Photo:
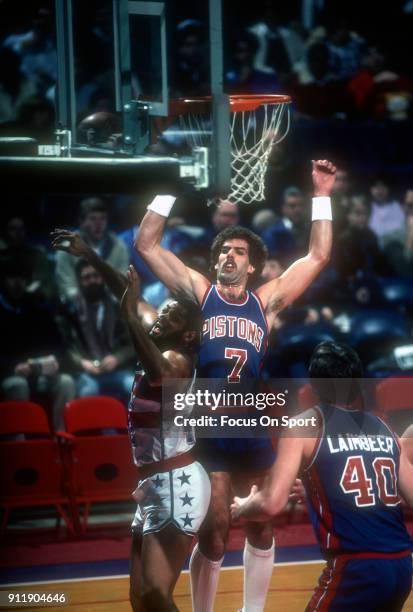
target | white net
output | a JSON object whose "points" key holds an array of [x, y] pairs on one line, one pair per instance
{"points": [[253, 134]]}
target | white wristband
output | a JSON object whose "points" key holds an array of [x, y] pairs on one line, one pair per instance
{"points": [[162, 204], [321, 209]]}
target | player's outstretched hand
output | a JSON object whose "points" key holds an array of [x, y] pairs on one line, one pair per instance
{"points": [[324, 176], [131, 296], [64, 240], [297, 493], [239, 503]]}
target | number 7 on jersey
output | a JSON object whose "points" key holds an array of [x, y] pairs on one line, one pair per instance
{"points": [[240, 355]]}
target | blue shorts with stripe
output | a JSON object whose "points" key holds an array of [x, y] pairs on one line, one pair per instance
{"points": [[363, 583]]}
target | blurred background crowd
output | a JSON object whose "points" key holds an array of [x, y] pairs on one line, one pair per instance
{"points": [[350, 76]]}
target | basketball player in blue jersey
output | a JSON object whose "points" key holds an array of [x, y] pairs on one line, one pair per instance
{"points": [[173, 491], [235, 336], [353, 472]]}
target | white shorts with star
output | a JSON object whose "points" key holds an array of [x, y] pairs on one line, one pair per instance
{"points": [[179, 497]]}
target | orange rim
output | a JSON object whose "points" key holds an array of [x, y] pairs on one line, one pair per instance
{"points": [[241, 102]]}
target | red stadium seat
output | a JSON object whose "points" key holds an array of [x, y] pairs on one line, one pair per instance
{"points": [[32, 470], [394, 397], [100, 462]]}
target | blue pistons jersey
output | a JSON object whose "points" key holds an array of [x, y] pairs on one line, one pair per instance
{"points": [[351, 484], [234, 337]]}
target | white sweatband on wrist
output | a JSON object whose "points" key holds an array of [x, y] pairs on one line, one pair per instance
{"points": [[162, 204], [321, 209]]}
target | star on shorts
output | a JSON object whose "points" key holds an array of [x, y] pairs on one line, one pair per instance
{"points": [[184, 479], [158, 481], [187, 521], [187, 500]]}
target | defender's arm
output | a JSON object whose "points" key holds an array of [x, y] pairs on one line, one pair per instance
{"points": [[279, 293], [73, 243], [272, 499], [293, 452]]}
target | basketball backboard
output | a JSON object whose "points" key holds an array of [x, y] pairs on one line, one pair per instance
{"points": [[114, 90]]}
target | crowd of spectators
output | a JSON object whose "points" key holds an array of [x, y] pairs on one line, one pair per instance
{"points": [[62, 332], [331, 67]]}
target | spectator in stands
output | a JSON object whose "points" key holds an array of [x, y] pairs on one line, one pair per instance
{"points": [[225, 214], [287, 238], [378, 91], [242, 76], [263, 219], [345, 48], [34, 119], [356, 247], [37, 51], [99, 351], [281, 42], [341, 198], [94, 230], [15, 245], [190, 74], [317, 91], [387, 215], [398, 247], [31, 346]]}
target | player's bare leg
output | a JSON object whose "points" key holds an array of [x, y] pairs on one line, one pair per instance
{"points": [[208, 554], [258, 551], [135, 573], [156, 562]]}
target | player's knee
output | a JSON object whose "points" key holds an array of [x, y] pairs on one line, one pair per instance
{"points": [[259, 535], [214, 549], [154, 599], [212, 543]]}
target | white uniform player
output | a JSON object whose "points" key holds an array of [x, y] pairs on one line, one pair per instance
{"points": [[170, 495]]}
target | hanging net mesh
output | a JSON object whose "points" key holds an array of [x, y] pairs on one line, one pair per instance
{"points": [[257, 123]]}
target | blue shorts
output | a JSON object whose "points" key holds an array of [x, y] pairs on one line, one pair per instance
{"points": [[363, 583], [235, 454]]}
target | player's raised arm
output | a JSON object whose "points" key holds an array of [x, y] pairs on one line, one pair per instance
{"points": [[279, 293], [73, 243], [164, 264]]}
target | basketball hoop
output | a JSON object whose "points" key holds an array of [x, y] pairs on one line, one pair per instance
{"points": [[257, 123]]}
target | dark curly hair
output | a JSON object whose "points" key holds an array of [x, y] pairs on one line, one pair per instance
{"points": [[335, 372], [257, 250]]}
